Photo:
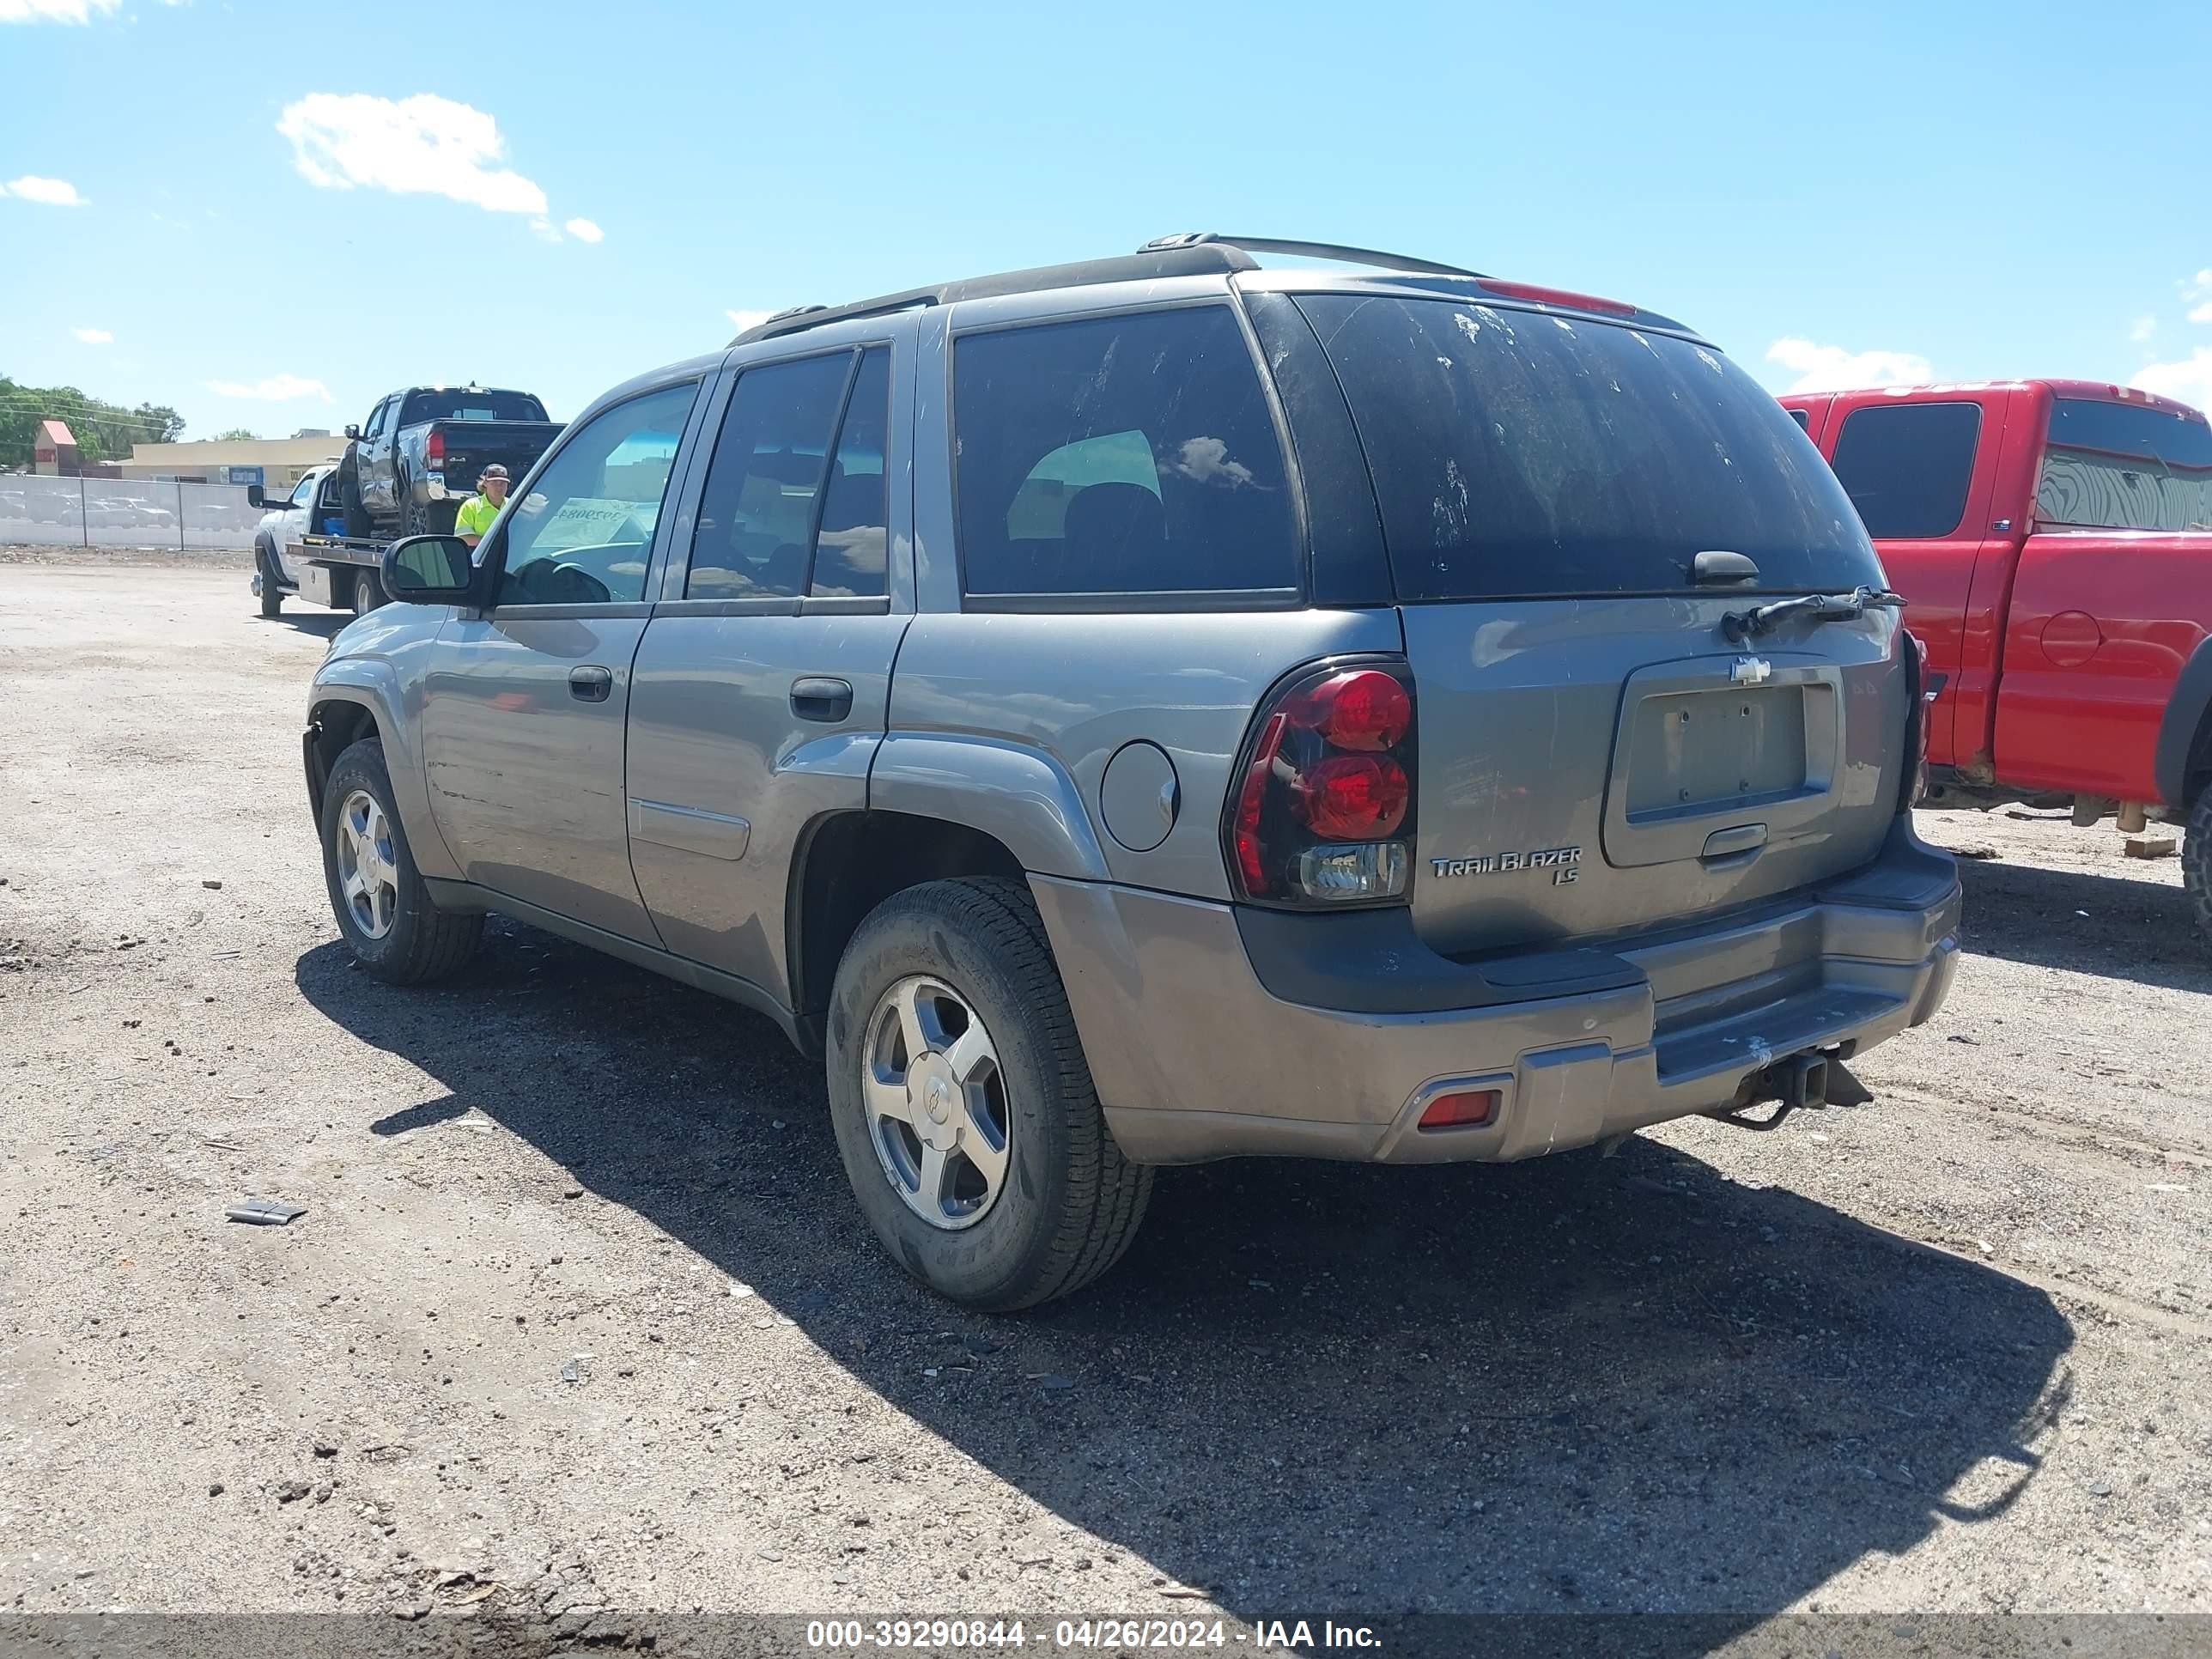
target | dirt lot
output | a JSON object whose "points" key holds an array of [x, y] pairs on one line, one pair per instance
{"points": [[581, 1309]]}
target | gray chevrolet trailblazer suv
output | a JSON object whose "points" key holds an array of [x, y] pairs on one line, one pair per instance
{"points": [[1164, 708]]}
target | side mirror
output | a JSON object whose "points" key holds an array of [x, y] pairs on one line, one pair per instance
{"points": [[429, 570], [255, 496], [353, 431]]}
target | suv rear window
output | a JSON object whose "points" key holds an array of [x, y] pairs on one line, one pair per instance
{"points": [[422, 406], [1127, 454], [1515, 453], [2124, 466]]}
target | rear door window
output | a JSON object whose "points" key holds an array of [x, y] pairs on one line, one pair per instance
{"points": [[1129, 455], [1516, 453], [1908, 466], [2124, 466], [756, 514], [855, 535]]}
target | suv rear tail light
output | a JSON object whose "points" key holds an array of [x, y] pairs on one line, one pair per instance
{"points": [[1913, 788], [1323, 812], [433, 448]]}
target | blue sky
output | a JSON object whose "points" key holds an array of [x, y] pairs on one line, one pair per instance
{"points": [[268, 214]]}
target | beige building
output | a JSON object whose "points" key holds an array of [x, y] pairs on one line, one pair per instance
{"points": [[282, 460]]}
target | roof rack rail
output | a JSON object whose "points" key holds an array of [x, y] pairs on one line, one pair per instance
{"points": [[1357, 256], [1196, 259]]}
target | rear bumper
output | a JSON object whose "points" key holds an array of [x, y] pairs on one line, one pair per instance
{"points": [[1210, 1039]]}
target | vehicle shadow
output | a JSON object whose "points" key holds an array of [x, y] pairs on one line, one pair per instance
{"points": [[323, 625], [1617, 1384], [2115, 926]]}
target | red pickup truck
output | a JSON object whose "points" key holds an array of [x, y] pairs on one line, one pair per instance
{"points": [[2053, 540]]}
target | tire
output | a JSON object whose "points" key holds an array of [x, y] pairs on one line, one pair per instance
{"points": [[272, 597], [2197, 863], [368, 593], [419, 942], [1067, 1203], [414, 519]]}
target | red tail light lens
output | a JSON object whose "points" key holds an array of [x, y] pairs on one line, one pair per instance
{"points": [[1323, 807], [434, 449], [1352, 798], [1363, 709]]}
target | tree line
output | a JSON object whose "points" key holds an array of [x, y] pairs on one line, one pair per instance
{"points": [[104, 431]]}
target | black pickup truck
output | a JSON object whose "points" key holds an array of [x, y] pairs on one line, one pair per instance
{"points": [[417, 457]]}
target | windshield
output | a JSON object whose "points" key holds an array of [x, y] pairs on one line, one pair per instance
{"points": [[2124, 466], [422, 406], [1517, 454]]}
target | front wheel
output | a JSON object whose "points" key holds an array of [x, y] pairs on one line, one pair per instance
{"points": [[272, 596], [2197, 863], [964, 1108], [384, 911]]}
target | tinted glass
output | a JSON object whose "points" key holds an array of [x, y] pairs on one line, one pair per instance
{"points": [[1804, 421], [584, 533], [2124, 466], [422, 406], [848, 554], [303, 493], [757, 510], [1129, 454], [1907, 466], [1516, 453]]}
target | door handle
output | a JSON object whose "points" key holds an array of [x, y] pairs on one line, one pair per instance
{"points": [[817, 697], [591, 683]]}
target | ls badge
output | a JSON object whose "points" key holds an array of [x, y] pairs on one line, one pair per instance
{"points": [[1564, 862]]}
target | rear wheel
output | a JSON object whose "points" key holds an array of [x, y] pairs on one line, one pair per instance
{"points": [[367, 591], [383, 909], [414, 517], [965, 1115], [2197, 862]]}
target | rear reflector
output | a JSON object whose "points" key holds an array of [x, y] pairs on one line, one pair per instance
{"points": [[1461, 1111], [1560, 296]]}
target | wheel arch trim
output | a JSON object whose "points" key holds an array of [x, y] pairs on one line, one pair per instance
{"points": [[2186, 710], [1019, 796], [369, 684]]}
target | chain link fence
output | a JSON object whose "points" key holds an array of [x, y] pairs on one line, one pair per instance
{"points": [[39, 511]]}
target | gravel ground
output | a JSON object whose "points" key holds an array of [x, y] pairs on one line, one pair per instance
{"points": [[581, 1317]]}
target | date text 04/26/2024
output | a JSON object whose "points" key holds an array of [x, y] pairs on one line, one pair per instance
{"points": [[1084, 1635]]}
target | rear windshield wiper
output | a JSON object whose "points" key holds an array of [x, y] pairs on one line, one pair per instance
{"points": [[1740, 625]]}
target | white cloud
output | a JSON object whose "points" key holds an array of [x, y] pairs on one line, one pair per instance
{"points": [[53, 12], [543, 229], [54, 193], [2202, 314], [1832, 368], [2144, 328], [276, 389], [742, 320], [93, 336], [424, 145], [2189, 380], [585, 231]]}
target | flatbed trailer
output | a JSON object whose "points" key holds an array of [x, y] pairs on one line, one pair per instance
{"points": [[343, 572]]}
